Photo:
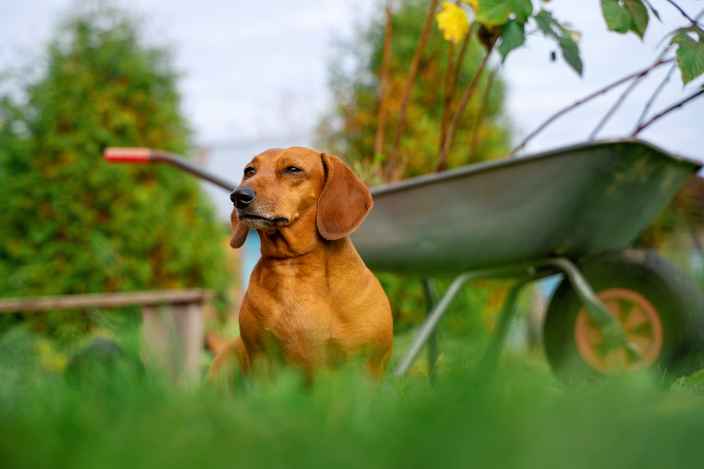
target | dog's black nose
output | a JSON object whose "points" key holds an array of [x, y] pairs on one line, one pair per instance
{"points": [[242, 197]]}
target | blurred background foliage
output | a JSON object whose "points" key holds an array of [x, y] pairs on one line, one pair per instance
{"points": [[70, 222], [350, 128]]}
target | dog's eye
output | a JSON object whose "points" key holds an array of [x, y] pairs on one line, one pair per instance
{"points": [[249, 171], [293, 170]]}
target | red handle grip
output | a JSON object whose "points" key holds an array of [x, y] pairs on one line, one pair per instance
{"points": [[127, 155]]}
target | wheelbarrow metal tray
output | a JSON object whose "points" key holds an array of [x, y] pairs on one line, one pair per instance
{"points": [[573, 202]]}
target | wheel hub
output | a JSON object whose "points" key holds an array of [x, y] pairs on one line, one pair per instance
{"points": [[641, 326]]}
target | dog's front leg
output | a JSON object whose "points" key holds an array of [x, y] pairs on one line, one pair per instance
{"points": [[229, 364]]}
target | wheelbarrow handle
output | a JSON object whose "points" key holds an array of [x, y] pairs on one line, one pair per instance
{"points": [[128, 155], [140, 155]]}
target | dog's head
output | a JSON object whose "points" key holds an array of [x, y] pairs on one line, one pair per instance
{"points": [[279, 186]]}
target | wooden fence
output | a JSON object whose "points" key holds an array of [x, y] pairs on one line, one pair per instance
{"points": [[172, 327]]}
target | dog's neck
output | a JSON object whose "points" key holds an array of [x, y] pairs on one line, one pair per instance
{"points": [[294, 240]]}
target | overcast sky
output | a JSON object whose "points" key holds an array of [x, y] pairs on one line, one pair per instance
{"points": [[255, 73]]}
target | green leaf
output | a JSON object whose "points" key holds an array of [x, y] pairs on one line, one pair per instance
{"points": [[522, 9], [545, 20], [512, 37], [499, 12], [570, 52], [493, 12], [652, 9], [552, 28], [639, 16], [690, 55], [616, 16]]}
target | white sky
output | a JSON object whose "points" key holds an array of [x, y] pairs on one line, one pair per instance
{"points": [[255, 73]]}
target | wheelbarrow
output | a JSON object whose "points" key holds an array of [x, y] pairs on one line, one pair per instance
{"points": [[574, 211]]}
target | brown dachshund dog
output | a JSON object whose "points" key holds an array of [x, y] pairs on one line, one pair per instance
{"points": [[310, 300]]}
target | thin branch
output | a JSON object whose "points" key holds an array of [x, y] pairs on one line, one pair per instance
{"points": [[482, 110], [589, 97], [448, 93], [655, 95], [451, 85], [614, 108], [661, 85], [410, 80], [684, 13], [666, 111], [466, 96], [624, 95], [383, 83], [652, 8]]}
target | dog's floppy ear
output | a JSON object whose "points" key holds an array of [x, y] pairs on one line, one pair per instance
{"points": [[239, 230], [344, 201]]}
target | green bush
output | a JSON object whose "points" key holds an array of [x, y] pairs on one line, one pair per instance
{"points": [[72, 223]]}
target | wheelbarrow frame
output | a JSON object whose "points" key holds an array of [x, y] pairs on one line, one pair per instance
{"points": [[524, 270]]}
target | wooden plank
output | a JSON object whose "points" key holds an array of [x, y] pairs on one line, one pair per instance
{"points": [[172, 340], [105, 300]]}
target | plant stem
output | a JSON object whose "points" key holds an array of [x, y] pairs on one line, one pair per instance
{"points": [[684, 13], [623, 97], [666, 111], [656, 93], [451, 86], [410, 80], [466, 96], [482, 111], [661, 85], [383, 83], [589, 97]]}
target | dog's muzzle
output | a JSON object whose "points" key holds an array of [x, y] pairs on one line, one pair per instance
{"points": [[242, 197]]}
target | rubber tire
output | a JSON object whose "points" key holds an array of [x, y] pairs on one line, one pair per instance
{"points": [[677, 300]]}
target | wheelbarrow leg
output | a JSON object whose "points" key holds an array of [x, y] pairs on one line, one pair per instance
{"points": [[426, 329], [430, 300], [508, 311], [428, 326]]}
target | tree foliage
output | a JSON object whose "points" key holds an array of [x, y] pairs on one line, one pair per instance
{"points": [[350, 128], [70, 222]]}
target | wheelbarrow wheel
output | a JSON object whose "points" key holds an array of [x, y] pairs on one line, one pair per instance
{"points": [[659, 308]]}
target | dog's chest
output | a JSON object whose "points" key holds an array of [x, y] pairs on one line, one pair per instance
{"points": [[292, 307]]}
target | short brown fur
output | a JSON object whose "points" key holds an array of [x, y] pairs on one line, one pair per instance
{"points": [[310, 297]]}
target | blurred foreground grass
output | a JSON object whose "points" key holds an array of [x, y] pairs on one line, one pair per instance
{"points": [[520, 418]]}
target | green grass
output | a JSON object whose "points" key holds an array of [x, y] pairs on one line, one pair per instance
{"points": [[522, 418]]}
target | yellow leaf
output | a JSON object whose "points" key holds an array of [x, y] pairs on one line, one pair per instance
{"points": [[453, 22]]}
